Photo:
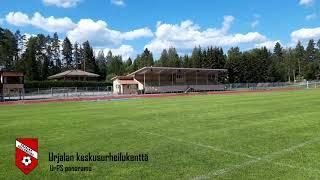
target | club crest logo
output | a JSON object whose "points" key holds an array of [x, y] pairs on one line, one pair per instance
{"points": [[26, 154]]}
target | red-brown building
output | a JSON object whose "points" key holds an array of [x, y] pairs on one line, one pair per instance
{"points": [[11, 84]]}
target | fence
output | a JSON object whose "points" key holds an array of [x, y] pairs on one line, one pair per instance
{"points": [[72, 92], [230, 87], [66, 92]]}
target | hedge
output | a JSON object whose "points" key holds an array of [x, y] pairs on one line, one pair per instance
{"points": [[50, 84]]}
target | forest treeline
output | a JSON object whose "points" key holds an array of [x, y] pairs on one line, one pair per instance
{"points": [[43, 55]]}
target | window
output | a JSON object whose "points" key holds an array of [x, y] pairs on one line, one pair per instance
{"points": [[179, 76], [212, 76], [13, 80]]}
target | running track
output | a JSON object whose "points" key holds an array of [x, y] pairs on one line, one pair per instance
{"points": [[140, 96]]}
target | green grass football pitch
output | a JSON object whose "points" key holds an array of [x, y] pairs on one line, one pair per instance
{"points": [[272, 135]]}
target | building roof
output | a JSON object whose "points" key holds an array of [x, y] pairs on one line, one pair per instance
{"points": [[146, 70], [11, 73], [128, 82], [73, 73], [122, 78]]}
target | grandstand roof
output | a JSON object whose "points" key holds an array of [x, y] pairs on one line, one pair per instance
{"points": [[128, 82], [174, 69], [73, 73], [122, 78]]}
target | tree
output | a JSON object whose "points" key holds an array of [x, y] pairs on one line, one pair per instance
{"points": [[186, 61], [291, 63], [55, 48], [215, 58], [67, 53], [20, 39], [77, 58], [101, 63], [164, 59], [42, 59], [311, 67], [89, 62], [299, 55], [147, 58], [128, 66], [173, 57], [29, 59], [196, 57], [115, 66], [277, 69], [233, 64], [8, 49]]}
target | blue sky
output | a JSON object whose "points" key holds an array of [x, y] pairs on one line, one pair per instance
{"points": [[127, 27]]}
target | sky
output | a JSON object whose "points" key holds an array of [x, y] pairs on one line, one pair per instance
{"points": [[127, 27]]}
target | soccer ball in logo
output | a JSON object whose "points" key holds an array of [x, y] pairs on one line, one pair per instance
{"points": [[26, 160]]}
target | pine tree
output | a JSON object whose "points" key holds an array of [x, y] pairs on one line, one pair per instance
{"points": [[299, 55], [312, 67], [20, 39], [233, 64], [29, 59], [196, 57], [146, 59], [186, 61], [128, 66], [8, 49], [278, 72], [101, 63], [77, 56], [311, 51], [67, 53], [173, 57], [55, 48], [164, 59], [89, 59]]}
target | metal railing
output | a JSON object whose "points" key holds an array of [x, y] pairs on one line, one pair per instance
{"points": [[74, 92], [66, 92]]}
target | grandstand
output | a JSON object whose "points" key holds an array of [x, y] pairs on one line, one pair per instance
{"points": [[170, 79]]}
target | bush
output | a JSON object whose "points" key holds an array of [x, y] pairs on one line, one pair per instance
{"points": [[50, 84]]}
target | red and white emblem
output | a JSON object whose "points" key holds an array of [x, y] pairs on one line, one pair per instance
{"points": [[26, 154]]}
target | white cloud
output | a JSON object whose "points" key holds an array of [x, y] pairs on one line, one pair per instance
{"points": [[125, 51], [17, 18], [50, 24], [1, 21], [144, 32], [268, 44], [255, 23], [311, 16], [187, 35], [61, 3], [306, 2], [305, 34], [100, 35], [117, 2]]}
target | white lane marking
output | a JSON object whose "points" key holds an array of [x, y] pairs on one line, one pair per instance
{"points": [[268, 158]]}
